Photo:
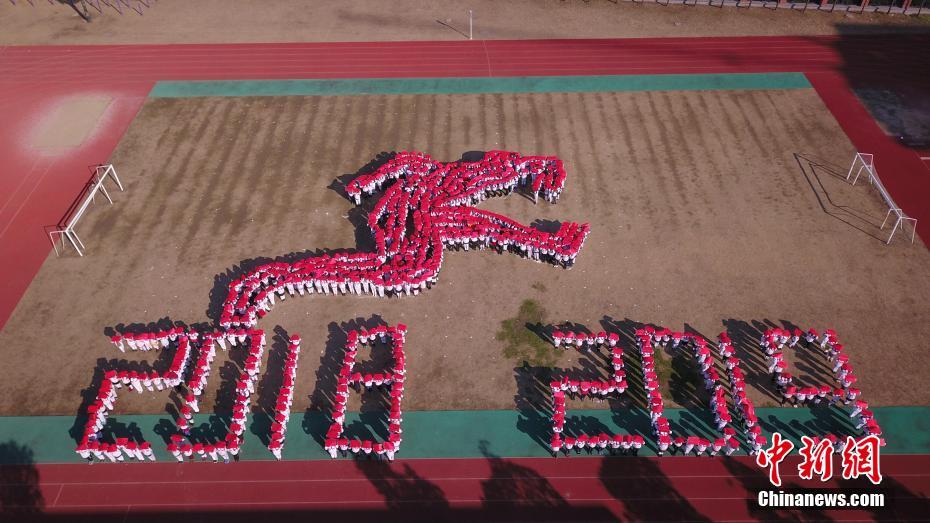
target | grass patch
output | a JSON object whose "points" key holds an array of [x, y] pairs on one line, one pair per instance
{"points": [[663, 370], [521, 343], [539, 286]]}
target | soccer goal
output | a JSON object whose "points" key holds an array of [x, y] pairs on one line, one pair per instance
{"points": [[101, 173], [866, 162]]}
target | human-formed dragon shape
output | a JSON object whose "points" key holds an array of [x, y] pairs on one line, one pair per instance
{"points": [[426, 206]]}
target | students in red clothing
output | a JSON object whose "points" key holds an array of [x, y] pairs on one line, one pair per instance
{"points": [[175, 451], [664, 442], [732, 446], [616, 441], [555, 445], [581, 442], [690, 443], [331, 445], [789, 395], [222, 451]]}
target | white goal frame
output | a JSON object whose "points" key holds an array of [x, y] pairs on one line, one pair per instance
{"points": [[101, 173], [866, 162]]}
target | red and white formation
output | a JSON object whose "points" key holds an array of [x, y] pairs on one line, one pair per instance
{"points": [[147, 341], [435, 200], [91, 447], [200, 371], [393, 378], [616, 385], [245, 385], [649, 337], [253, 340], [426, 210], [582, 340], [745, 408], [503, 170], [282, 409], [775, 341]]}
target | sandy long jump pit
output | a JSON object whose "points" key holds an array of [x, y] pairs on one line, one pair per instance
{"points": [[708, 210]]}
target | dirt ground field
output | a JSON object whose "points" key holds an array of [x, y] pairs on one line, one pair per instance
{"points": [[219, 21], [702, 214]]}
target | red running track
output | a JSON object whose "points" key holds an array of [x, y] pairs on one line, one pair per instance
{"points": [[582, 489]]}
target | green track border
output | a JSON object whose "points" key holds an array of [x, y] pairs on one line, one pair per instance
{"points": [[458, 434], [471, 85]]}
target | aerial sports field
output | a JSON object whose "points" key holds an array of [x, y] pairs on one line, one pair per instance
{"points": [[710, 171]]}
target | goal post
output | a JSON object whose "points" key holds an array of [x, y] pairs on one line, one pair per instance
{"points": [[68, 232], [866, 162]]}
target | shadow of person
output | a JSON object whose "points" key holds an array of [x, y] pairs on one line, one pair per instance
{"points": [[20, 495], [532, 402], [646, 492], [517, 486], [754, 479], [401, 485], [905, 505]]}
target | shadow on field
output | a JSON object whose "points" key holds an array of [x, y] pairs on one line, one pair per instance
{"points": [[752, 479], [515, 488], [20, 494], [646, 492], [819, 175], [533, 402]]}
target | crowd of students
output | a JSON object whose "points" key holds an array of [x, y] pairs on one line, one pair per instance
{"points": [[588, 388], [413, 220], [743, 406], [91, 447], [285, 398], [648, 339], [502, 172], [335, 443], [583, 340], [227, 447], [774, 342], [416, 218]]}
